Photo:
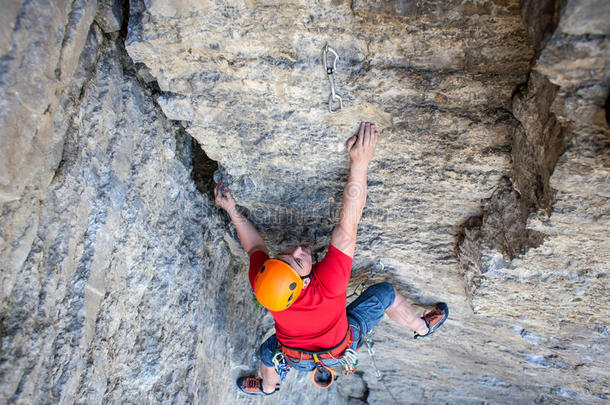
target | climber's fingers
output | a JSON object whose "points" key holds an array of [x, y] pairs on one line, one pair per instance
{"points": [[350, 142], [217, 191], [374, 136], [361, 134], [221, 192], [227, 193], [366, 141]]}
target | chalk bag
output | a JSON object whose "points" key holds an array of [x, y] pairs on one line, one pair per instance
{"points": [[322, 376]]}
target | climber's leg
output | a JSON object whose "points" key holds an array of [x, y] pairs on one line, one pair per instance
{"points": [[367, 310], [270, 381], [404, 314], [267, 368], [270, 378]]}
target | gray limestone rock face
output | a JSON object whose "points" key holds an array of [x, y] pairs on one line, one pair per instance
{"points": [[554, 289], [121, 282], [40, 52], [117, 282], [109, 15]]}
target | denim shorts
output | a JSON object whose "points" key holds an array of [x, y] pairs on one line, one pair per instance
{"points": [[362, 314]]}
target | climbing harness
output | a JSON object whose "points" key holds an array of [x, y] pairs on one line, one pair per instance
{"points": [[296, 355], [322, 375], [330, 70]]}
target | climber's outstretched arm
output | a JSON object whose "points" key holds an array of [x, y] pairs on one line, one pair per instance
{"points": [[251, 240], [361, 148]]}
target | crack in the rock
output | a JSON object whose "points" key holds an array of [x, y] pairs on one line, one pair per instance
{"points": [[187, 147], [203, 169], [72, 17], [501, 224], [76, 103], [607, 107]]}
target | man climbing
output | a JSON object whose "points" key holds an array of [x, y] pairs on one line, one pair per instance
{"points": [[314, 329]]}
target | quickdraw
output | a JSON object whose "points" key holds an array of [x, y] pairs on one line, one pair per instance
{"points": [[281, 366], [330, 70], [349, 361], [369, 348], [377, 268]]}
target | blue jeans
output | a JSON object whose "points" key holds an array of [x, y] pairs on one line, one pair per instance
{"points": [[362, 315]]}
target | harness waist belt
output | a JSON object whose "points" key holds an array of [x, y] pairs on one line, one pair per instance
{"points": [[332, 353]]}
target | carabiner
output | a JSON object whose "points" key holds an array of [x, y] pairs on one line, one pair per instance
{"points": [[330, 70]]}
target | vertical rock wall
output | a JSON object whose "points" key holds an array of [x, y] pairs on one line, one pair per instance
{"points": [[554, 288], [41, 46], [117, 282], [121, 283]]}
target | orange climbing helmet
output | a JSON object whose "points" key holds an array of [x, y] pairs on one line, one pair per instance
{"points": [[277, 285]]}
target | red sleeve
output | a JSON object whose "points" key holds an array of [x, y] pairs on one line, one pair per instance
{"points": [[256, 262], [334, 271]]}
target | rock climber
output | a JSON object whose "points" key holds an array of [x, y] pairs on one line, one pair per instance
{"points": [[314, 329]]}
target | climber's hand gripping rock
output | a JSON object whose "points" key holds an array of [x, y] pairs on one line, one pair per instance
{"points": [[223, 198], [251, 240], [361, 148]]}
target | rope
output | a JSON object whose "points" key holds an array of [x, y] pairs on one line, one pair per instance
{"points": [[377, 268], [369, 348]]}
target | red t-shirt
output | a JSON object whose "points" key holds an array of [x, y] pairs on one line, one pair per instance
{"points": [[317, 320]]}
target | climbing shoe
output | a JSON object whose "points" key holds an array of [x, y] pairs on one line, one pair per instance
{"points": [[434, 319], [253, 386]]}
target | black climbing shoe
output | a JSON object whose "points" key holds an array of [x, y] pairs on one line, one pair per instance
{"points": [[253, 386], [434, 319]]}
